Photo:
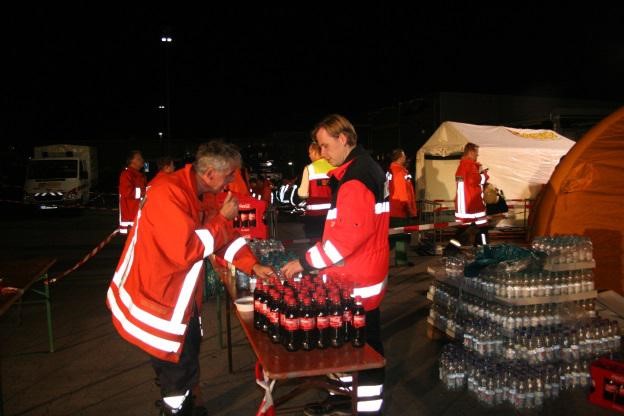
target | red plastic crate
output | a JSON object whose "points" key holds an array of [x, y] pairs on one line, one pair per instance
{"points": [[250, 222], [607, 384]]}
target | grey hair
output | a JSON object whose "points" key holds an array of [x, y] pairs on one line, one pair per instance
{"points": [[218, 155]]}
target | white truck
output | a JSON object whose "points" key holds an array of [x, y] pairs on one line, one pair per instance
{"points": [[60, 176]]}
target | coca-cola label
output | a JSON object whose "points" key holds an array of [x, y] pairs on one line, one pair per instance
{"points": [[244, 216], [265, 309], [307, 324], [291, 324], [252, 216], [335, 321], [347, 316], [322, 322], [274, 317], [359, 321], [281, 318], [257, 305]]}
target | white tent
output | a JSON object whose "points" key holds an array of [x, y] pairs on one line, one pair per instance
{"points": [[520, 161]]}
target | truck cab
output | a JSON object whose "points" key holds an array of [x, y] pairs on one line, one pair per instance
{"points": [[60, 176]]}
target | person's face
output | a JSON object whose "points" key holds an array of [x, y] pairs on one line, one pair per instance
{"points": [[137, 161], [214, 180], [313, 155], [334, 150], [473, 154]]}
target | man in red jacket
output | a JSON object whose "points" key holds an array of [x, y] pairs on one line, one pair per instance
{"points": [[469, 204], [354, 248], [402, 204], [156, 291], [132, 184]]}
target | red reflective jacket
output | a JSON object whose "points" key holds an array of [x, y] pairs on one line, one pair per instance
{"points": [[402, 202], [131, 190], [159, 275], [469, 204], [354, 247]]}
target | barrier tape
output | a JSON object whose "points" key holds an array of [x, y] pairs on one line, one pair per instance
{"points": [[90, 255], [10, 201]]}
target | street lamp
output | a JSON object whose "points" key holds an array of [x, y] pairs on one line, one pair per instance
{"points": [[167, 40]]}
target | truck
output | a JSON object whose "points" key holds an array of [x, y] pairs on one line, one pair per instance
{"points": [[60, 176]]}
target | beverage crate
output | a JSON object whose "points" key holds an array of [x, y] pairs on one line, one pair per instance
{"points": [[607, 384]]}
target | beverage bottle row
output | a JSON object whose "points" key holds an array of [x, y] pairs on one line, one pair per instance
{"points": [[307, 315], [444, 318], [564, 249], [533, 284], [246, 218], [511, 317], [495, 381]]}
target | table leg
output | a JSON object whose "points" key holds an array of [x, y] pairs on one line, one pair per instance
{"points": [[46, 291], [228, 325], [354, 388]]}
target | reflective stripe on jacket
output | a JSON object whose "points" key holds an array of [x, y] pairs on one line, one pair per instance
{"points": [[131, 190], [402, 202]]}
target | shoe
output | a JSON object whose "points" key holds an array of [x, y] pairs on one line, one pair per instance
{"points": [[332, 406]]}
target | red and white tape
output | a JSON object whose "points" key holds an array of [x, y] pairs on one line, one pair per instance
{"points": [[11, 201], [90, 255]]}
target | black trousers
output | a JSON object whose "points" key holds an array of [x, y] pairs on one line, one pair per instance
{"points": [[176, 379], [376, 376]]}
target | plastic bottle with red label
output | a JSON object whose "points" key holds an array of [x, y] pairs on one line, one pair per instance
{"points": [[322, 321], [336, 333], [358, 336], [307, 323], [347, 315], [291, 331]]}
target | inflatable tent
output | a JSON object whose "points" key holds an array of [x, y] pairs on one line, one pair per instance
{"points": [[520, 161], [585, 196]]}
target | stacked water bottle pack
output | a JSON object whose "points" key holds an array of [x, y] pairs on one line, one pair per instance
{"points": [[526, 320], [309, 313]]}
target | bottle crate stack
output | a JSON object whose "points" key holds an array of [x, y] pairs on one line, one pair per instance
{"points": [[526, 327]]}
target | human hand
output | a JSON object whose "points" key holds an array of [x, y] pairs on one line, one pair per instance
{"points": [[230, 207], [262, 271], [292, 268]]}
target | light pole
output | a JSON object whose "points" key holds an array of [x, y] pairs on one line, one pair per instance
{"points": [[166, 39]]}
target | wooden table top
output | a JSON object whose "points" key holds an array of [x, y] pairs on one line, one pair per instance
{"points": [[279, 363], [21, 274]]}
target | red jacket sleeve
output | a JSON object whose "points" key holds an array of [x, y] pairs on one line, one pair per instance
{"points": [[126, 187]]}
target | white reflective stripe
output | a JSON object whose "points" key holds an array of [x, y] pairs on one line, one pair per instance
{"points": [[233, 249], [346, 379], [388, 176], [175, 402], [151, 340], [461, 203], [120, 275], [370, 291], [123, 231], [332, 252], [317, 207], [137, 193], [483, 221], [332, 214], [316, 259], [482, 179], [315, 176], [188, 288], [408, 176], [126, 223], [483, 239], [464, 215], [292, 194], [381, 207], [149, 319], [369, 391], [369, 405], [207, 240]]}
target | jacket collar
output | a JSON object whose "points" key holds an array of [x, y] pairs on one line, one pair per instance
{"points": [[339, 172]]}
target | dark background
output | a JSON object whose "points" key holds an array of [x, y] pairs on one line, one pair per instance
{"points": [[97, 72]]}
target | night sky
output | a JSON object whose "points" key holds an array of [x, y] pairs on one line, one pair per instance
{"points": [[239, 71]]}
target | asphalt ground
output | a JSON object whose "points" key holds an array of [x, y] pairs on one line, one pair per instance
{"points": [[94, 372]]}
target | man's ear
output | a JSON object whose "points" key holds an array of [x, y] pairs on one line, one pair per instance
{"points": [[342, 138]]}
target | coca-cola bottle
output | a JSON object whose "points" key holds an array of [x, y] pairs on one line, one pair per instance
{"points": [[347, 315], [274, 315], [237, 222], [307, 323], [322, 322], [252, 218], [358, 336], [336, 335], [291, 339], [244, 216], [258, 299], [265, 309]]}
